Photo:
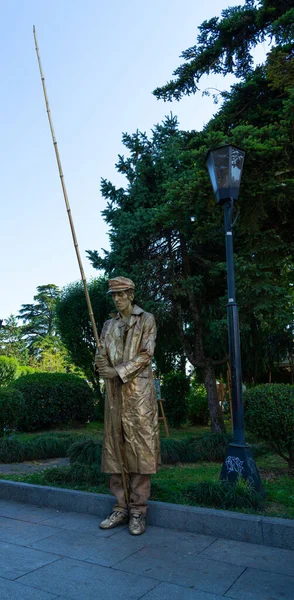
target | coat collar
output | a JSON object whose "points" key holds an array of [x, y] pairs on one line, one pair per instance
{"points": [[132, 319]]}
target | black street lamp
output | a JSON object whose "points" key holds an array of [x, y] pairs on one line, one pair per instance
{"points": [[225, 165]]}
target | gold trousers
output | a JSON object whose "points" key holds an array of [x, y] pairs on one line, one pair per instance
{"points": [[139, 492]]}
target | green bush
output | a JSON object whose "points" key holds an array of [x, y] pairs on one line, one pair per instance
{"points": [[99, 401], [54, 399], [76, 474], [269, 415], [225, 495], [25, 370], [8, 370], [208, 448], [87, 452], [11, 409], [175, 390], [198, 406], [212, 446], [11, 451], [43, 446]]}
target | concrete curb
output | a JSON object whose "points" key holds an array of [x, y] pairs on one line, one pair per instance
{"points": [[266, 531]]}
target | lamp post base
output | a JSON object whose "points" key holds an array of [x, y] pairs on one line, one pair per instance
{"points": [[239, 461]]}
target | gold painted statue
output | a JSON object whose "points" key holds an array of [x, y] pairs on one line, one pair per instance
{"points": [[127, 347]]}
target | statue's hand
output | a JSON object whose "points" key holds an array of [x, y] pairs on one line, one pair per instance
{"points": [[108, 373], [104, 369], [101, 362]]}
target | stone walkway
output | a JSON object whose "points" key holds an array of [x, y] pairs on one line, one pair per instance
{"points": [[47, 554], [32, 466]]}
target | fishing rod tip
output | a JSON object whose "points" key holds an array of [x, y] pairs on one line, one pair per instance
{"points": [[34, 28]]}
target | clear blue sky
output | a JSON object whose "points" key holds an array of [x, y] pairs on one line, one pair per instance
{"points": [[101, 61]]}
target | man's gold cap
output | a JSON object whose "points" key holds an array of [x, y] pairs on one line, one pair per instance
{"points": [[120, 284]]}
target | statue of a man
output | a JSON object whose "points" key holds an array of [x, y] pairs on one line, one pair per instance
{"points": [[127, 347]]}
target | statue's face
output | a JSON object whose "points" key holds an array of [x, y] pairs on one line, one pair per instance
{"points": [[122, 300]]}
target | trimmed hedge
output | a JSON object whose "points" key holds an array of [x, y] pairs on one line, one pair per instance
{"points": [[12, 407], [25, 370], [44, 446], [8, 370], [269, 415], [54, 399]]}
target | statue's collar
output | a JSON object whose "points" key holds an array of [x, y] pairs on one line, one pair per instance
{"points": [[135, 312]]}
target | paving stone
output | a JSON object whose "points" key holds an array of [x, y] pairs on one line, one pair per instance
{"points": [[252, 555], [168, 538], [182, 566], [15, 560], [84, 546], [12, 590], [25, 512], [79, 522], [168, 591], [79, 580], [262, 585], [23, 533]]}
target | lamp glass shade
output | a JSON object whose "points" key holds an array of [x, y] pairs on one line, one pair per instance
{"points": [[225, 165]]}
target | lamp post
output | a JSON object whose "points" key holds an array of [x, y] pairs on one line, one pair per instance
{"points": [[225, 165]]}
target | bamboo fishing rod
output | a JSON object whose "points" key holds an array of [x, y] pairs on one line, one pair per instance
{"points": [[89, 305]]}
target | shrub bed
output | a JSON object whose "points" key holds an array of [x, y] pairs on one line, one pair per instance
{"points": [[44, 446], [269, 415], [12, 407], [54, 399], [210, 448], [224, 495]]}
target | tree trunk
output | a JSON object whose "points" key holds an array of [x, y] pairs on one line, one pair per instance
{"points": [[215, 411]]}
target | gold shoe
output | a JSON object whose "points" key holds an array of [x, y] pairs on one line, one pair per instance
{"points": [[137, 524], [117, 517]]}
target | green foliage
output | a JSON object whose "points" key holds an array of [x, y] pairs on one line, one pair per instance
{"points": [[12, 342], [171, 451], [40, 317], [74, 324], [25, 370], [87, 452], [8, 369], [11, 409], [198, 405], [76, 473], [257, 114], [225, 495], [99, 402], [225, 45], [175, 390], [41, 447], [54, 398], [210, 447], [269, 414]]}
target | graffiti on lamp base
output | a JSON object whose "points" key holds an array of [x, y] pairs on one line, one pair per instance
{"points": [[234, 464]]}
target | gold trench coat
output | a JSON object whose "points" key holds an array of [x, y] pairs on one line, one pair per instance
{"points": [[129, 347]]}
